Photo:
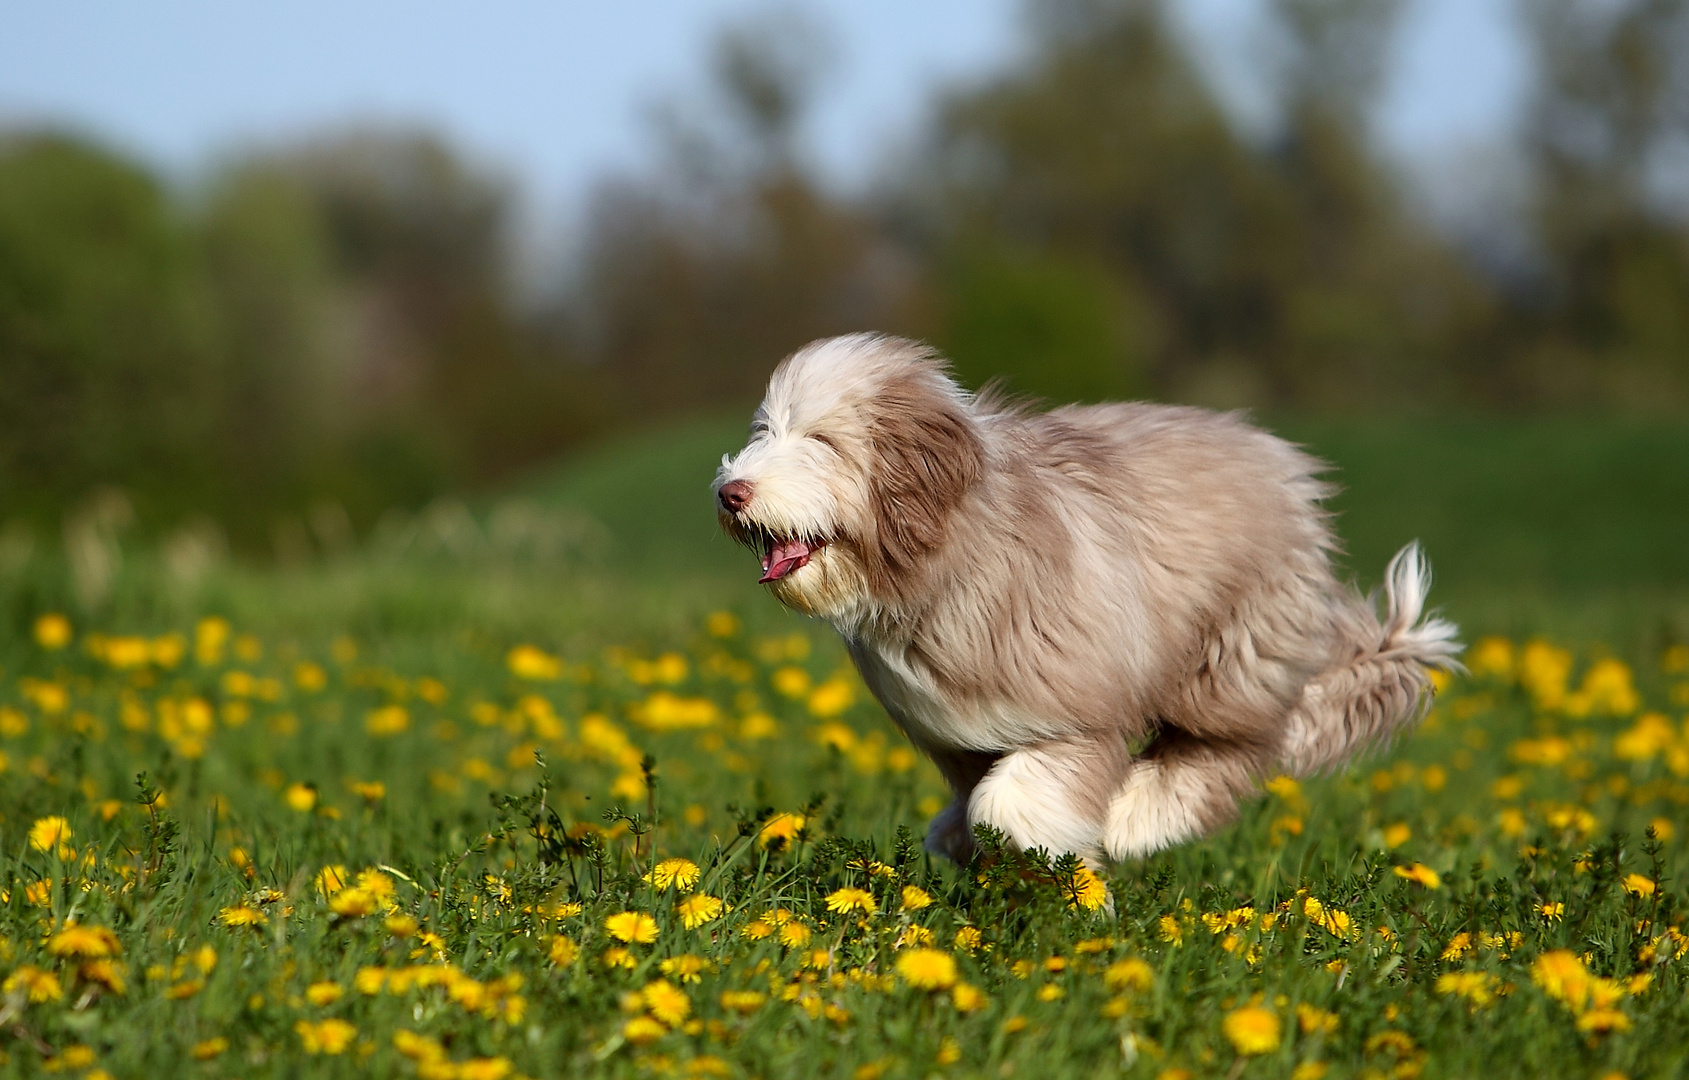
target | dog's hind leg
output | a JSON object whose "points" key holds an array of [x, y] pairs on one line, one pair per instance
{"points": [[1054, 795], [1182, 787]]}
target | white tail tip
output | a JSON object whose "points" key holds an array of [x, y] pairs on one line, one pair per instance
{"points": [[1407, 580]]}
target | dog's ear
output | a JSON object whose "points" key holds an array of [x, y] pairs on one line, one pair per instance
{"points": [[927, 456]]}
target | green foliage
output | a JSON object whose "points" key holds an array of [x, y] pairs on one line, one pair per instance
{"points": [[108, 365], [1045, 327]]}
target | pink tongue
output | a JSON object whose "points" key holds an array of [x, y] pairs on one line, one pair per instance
{"points": [[786, 556]]}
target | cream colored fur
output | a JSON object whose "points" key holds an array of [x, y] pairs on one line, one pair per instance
{"points": [[1032, 594]]}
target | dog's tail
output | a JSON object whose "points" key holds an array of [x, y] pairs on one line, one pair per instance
{"points": [[1386, 685]]}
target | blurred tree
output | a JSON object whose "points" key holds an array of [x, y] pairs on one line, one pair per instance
{"points": [[1053, 327], [1105, 149], [1379, 309], [696, 280], [1609, 134], [1289, 276], [448, 381], [108, 364], [281, 336]]}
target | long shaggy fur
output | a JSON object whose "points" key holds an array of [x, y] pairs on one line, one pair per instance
{"points": [[1102, 623]]}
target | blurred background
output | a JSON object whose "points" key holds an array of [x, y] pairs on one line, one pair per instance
{"points": [[332, 286]]}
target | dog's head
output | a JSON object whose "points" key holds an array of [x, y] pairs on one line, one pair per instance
{"points": [[859, 457]]}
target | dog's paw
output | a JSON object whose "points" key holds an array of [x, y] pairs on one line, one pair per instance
{"points": [[950, 835]]}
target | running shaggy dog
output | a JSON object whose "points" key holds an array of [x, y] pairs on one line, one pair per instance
{"points": [[1102, 623]]}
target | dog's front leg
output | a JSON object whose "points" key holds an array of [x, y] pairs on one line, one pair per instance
{"points": [[950, 833], [1054, 795]]}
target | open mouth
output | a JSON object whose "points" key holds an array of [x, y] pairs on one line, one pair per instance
{"points": [[783, 556]]}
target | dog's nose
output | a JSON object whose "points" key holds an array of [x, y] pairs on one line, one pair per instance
{"points": [[734, 495]]}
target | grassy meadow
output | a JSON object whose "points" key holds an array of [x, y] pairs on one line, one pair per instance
{"points": [[543, 786]]}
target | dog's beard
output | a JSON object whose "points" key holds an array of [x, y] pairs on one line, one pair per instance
{"points": [[813, 574]]}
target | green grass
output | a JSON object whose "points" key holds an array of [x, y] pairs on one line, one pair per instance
{"points": [[1518, 796]]}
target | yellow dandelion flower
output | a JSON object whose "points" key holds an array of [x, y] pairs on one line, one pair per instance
{"points": [[301, 797], [182, 991], [482, 1068], [563, 951], [331, 879], [968, 998], [1638, 885], [48, 833], [832, 697], [1251, 1030], [377, 883], [780, 830], [38, 985], [633, 927], [73, 1057], [1602, 1021], [742, 1001], [1314, 1020], [914, 898], [1086, 890], [1131, 973], [354, 903], [686, 967], [371, 791], [969, 939], [324, 993], [927, 969], [401, 925], [1563, 977], [325, 1036], [683, 874], [1478, 987], [722, 624], [642, 1030], [108, 973], [210, 1048], [52, 631], [914, 935], [387, 720], [794, 934], [85, 941], [949, 1051], [667, 1002], [695, 911], [242, 915], [534, 664], [850, 899], [1421, 874]]}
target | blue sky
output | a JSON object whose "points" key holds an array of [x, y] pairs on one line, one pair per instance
{"points": [[556, 93]]}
